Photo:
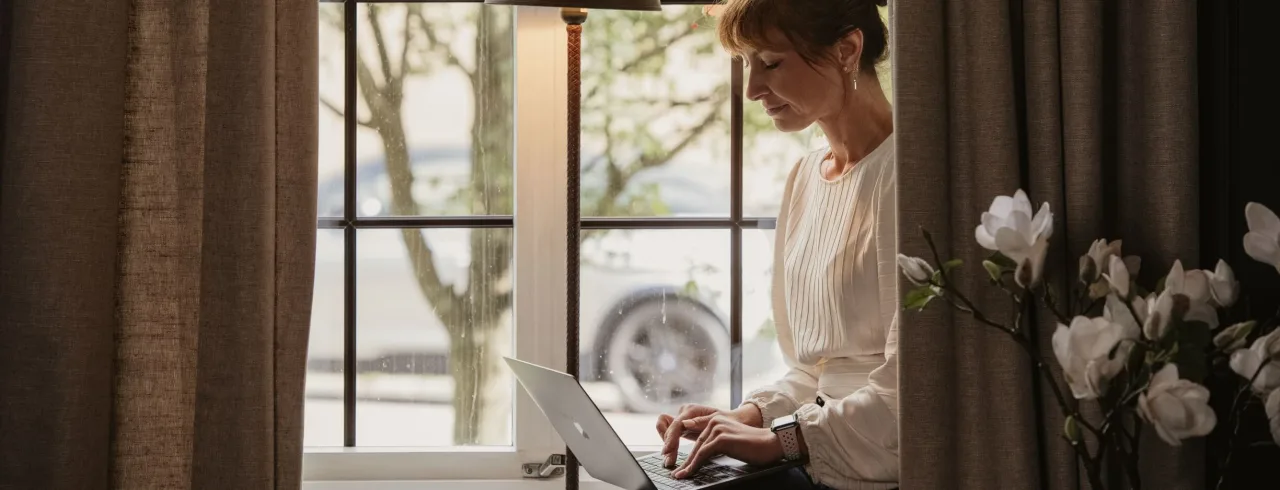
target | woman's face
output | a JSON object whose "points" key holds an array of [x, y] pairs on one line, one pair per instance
{"points": [[793, 92]]}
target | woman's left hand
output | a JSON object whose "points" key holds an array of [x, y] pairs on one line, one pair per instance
{"points": [[726, 436]]}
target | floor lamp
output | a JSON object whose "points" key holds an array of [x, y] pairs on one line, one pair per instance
{"points": [[574, 13]]}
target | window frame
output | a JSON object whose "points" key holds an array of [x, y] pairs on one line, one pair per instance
{"points": [[539, 266]]}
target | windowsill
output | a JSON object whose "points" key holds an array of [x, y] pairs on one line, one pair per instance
{"points": [[552, 484], [586, 482]]}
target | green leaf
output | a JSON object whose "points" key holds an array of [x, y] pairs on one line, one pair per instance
{"points": [[952, 264], [993, 270], [1003, 261], [918, 298]]}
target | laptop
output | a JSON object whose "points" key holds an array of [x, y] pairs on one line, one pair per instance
{"points": [[599, 449]]}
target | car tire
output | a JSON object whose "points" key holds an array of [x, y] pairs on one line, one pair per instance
{"points": [[668, 352]]}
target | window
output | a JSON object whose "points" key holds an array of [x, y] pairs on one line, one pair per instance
{"points": [[440, 238]]}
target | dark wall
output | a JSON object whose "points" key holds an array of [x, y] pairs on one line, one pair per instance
{"points": [[1240, 162]]}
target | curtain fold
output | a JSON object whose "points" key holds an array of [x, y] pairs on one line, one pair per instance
{"points": [[1087, 105], [157, 234]]}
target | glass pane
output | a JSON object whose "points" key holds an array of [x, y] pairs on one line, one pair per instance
{"points": [[432, 327], [323, 424], [437, 111], [769, 154], [655, 114], [654, 323], [761, 357], [332, 103]]}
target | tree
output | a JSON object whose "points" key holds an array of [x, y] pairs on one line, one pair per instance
{"points": [[411, 40]]}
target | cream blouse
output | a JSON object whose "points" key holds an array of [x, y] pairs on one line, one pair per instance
{"points": [[835, 303]]}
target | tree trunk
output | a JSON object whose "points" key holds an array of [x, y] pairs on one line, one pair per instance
{"points": [[475, 343]]}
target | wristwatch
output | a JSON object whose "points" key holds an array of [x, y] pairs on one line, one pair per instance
{"points": [[788, 429]]}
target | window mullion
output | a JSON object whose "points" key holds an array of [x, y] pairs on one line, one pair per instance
{"points": [[541, 122]]}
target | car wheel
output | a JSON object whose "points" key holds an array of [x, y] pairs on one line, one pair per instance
{"points": [[666, 353]]}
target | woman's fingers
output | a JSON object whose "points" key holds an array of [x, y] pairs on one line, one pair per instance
{"points": [[713, 429], [676, 429], [709, 448], [664, 421]]}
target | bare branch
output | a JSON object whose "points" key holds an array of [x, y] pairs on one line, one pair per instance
{"points": [[380, 42], [373, 94], [441, 49], [617, 182], [339, 112], [657, 49], [671, 104], [408, 39]]}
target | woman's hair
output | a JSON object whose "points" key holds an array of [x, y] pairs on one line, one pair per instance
{"points": [[812, 26]]}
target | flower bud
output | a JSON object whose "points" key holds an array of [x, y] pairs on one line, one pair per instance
{"points": [[1071, 429], [1234, 338]]}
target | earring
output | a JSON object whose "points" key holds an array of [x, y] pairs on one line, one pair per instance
{"points": [[855, 80]]}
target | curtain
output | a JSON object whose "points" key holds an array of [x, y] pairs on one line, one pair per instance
{"points": [[157, 236], [1087, 105]]}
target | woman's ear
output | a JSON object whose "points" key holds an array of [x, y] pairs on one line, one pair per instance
{"points": [[849, 49]]}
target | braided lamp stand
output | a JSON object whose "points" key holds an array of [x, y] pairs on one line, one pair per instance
{"points": [[573, 18]]}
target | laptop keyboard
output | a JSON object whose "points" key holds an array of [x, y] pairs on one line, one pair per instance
{"points": [[709, 473]]}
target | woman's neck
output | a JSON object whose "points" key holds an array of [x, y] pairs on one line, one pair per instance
{"points": [[863, 122]]}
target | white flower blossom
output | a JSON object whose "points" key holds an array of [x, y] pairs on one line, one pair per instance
{"points": [[1246, 362], [1118, 276], [916, 269], [1010, 228], [1263, 240], [1084, 351], [1224, 290], [1177, 408]]}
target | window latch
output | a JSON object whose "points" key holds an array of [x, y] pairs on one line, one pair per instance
{"points": [[551, 468]]}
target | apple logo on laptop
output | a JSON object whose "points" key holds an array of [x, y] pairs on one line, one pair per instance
{"points": [[580, 431]]}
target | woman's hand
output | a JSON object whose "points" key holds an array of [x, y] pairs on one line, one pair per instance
{"points": [[690, 421], [725, 435]]}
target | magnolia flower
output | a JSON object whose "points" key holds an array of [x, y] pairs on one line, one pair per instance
{"points": [[1246, 362], [1116, 311], [1233, 338], [1273, 414], [1186, 297], [1010, 228], [1159, 314], [1118, 276], [1223, 287], [1084, 351], [1098, 259], [916, 269], [1263, 240], [1177, 408]]}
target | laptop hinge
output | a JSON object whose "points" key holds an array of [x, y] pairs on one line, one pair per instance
{"points": [[551, 468]]}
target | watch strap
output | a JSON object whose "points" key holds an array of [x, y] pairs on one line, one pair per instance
{"points": [[790, 439]]}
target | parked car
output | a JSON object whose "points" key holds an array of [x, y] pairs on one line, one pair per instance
{"points": [[654, 310]]}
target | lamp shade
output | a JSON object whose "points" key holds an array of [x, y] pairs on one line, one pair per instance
{"points": [[585, 4]]}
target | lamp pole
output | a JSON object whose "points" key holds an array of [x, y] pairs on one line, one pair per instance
{"points": [[573, 19]]}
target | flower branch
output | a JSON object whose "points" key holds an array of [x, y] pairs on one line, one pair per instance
{"points": [[1144, 357]]}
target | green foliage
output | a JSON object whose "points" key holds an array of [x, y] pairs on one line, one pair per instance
{"points": [[994, 271], [919, 297]]}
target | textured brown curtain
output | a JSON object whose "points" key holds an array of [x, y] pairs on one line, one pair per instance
{"points": [[157, 231], [1089, 105]]}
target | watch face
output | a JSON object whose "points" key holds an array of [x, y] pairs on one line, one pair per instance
{"points": [[784, 422]]}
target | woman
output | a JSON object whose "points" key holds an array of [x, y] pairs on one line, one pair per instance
{"points": [[835, 285]]}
